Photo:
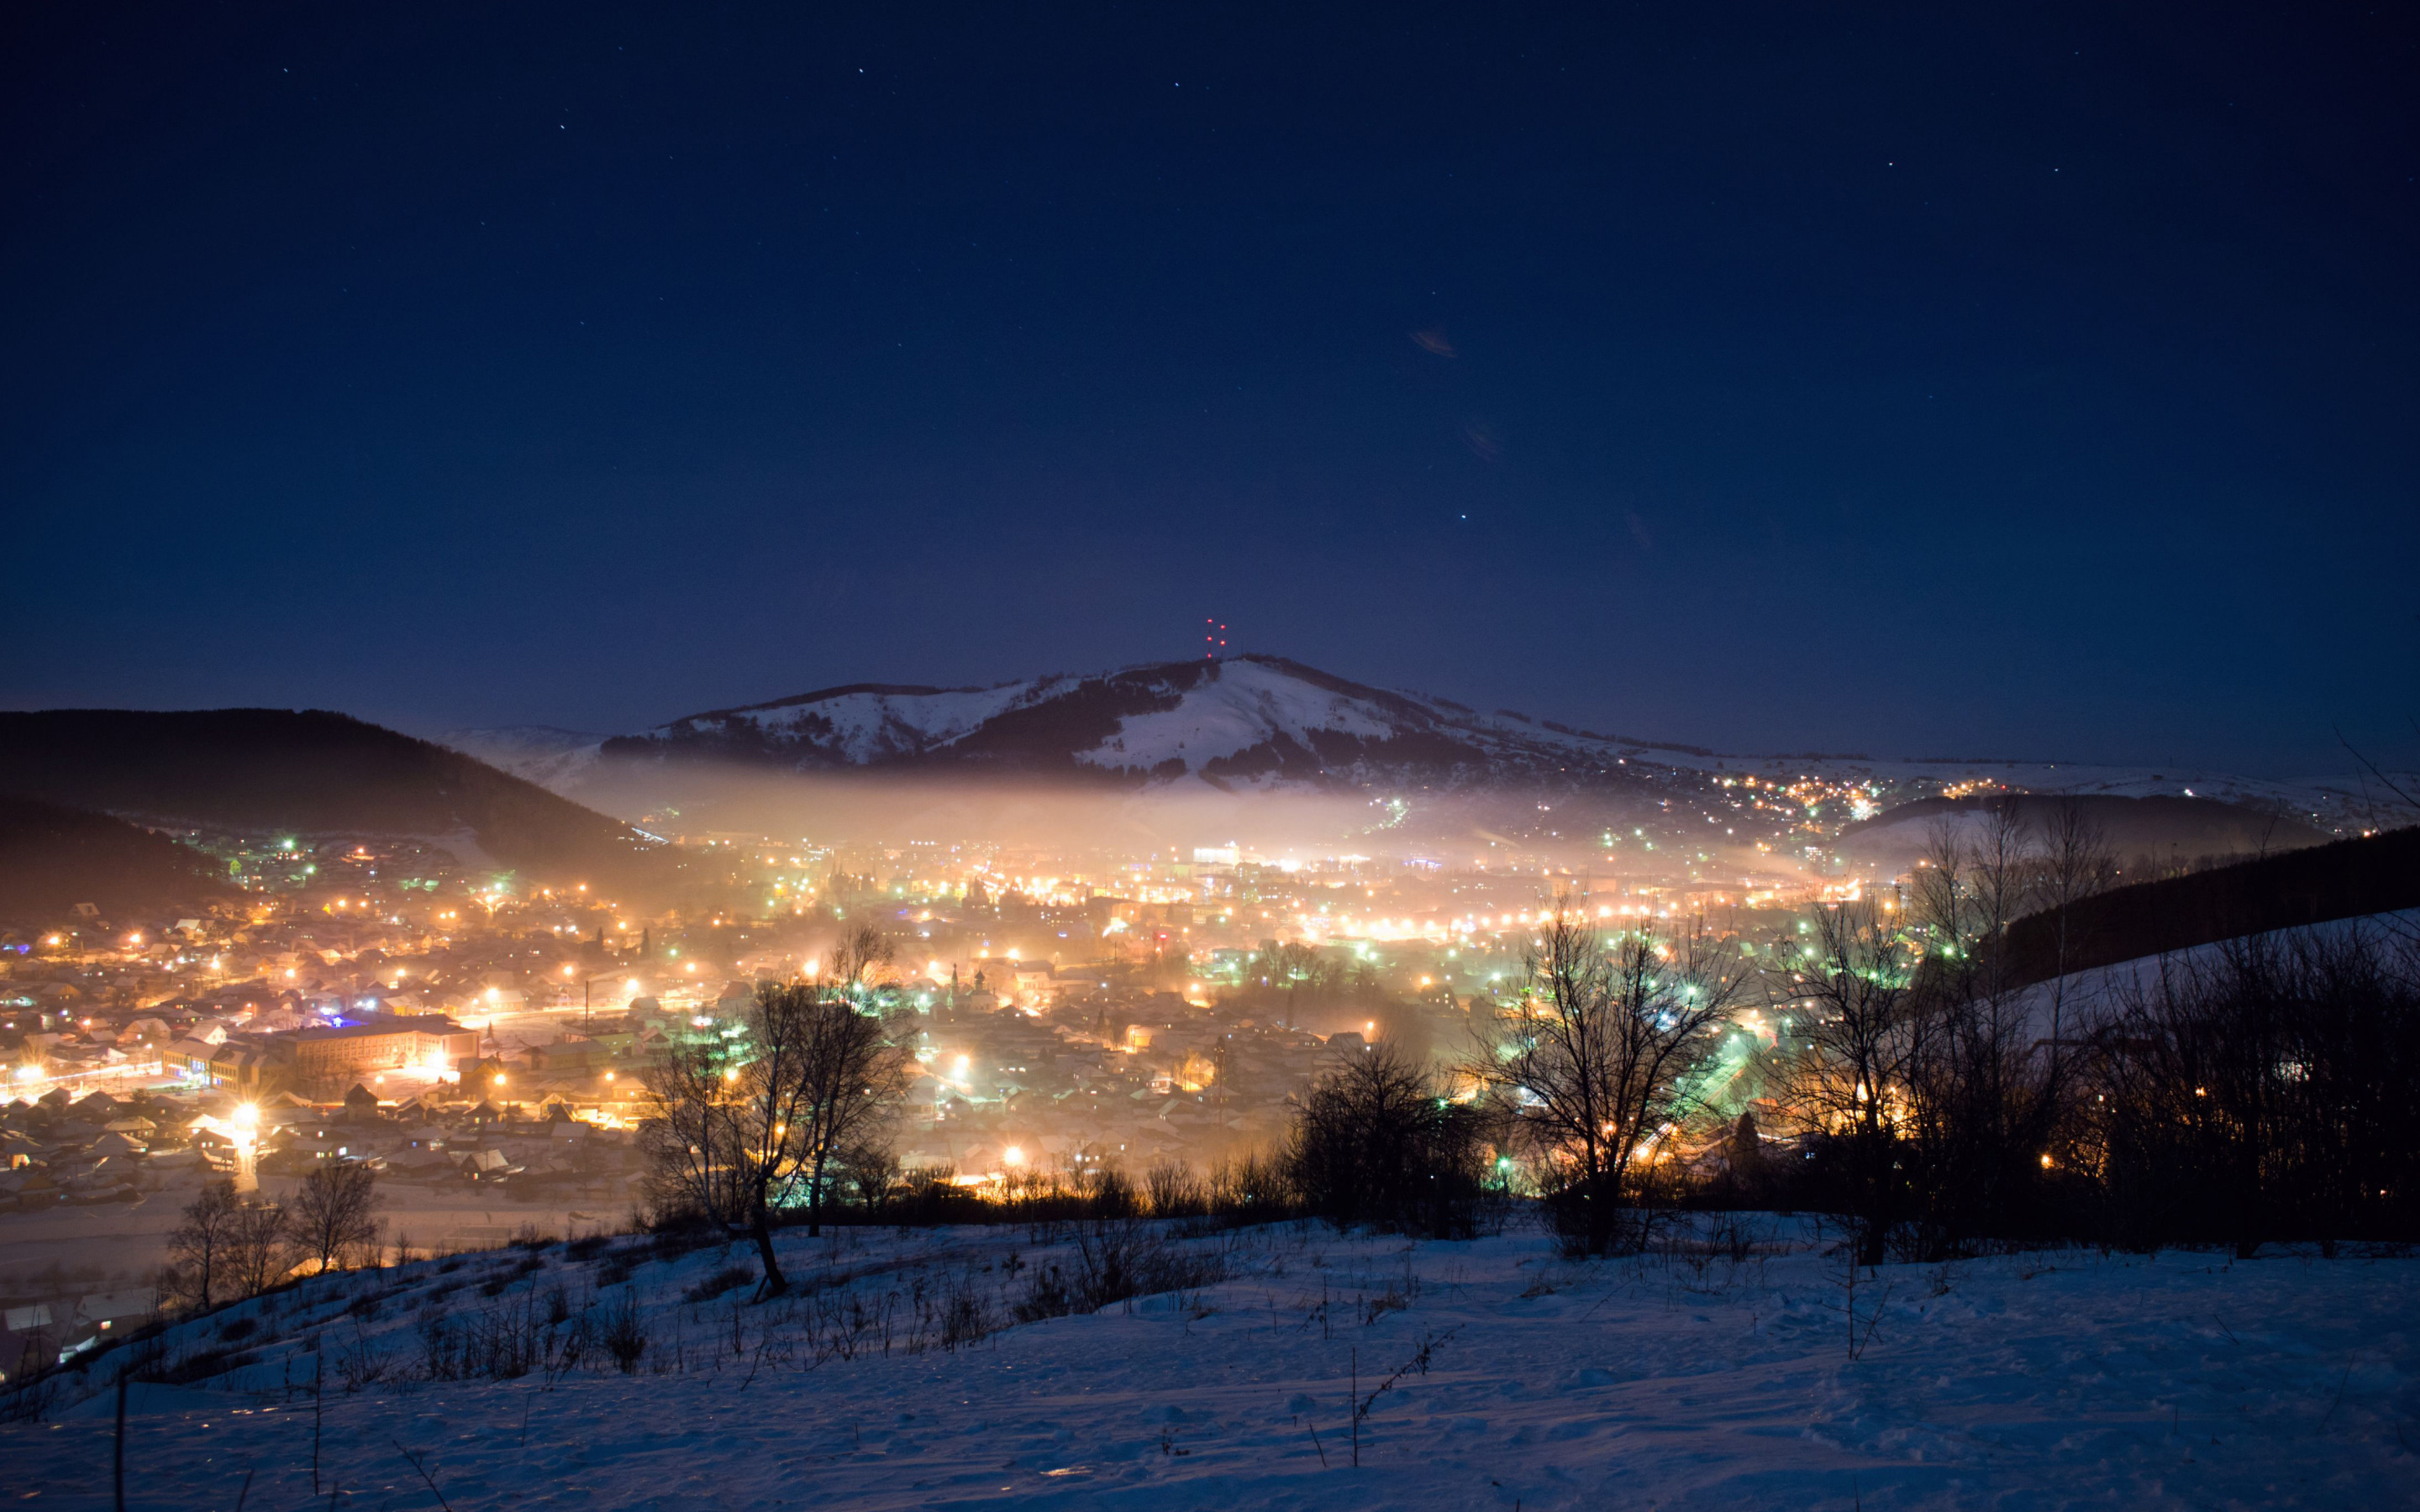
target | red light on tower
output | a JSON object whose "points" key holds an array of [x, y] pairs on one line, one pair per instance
{"points": [[1214, 640]]}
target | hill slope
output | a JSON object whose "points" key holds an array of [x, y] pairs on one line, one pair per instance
{"points": [[2161, 829], [2348, 879], [1308, 1370], [310, 771], [52, 858]]}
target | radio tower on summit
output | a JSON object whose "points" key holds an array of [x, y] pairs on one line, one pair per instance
{"points": [[1214, 640]]}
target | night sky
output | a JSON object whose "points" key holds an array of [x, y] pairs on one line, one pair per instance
{"points": [[2035, 381]]}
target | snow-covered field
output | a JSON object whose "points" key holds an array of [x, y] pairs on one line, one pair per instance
{"points": [[1686, 1379]]}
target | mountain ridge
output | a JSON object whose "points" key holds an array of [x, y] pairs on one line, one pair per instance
{"points": [[1246, 719], [311, 771], [1257, 720], [52, 857]]}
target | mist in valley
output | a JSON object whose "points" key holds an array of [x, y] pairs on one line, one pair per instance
{"points": [[698, 801]]}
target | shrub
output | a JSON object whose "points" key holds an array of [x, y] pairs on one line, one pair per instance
{"points": [[718, 1283], [626, 1332], [1173, 1191], [1374, 1143]]}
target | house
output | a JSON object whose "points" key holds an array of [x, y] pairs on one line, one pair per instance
{"points": [[119, 1309], [250, 1065], [614, 1041], [191, 1057], [329, 1055], [420, 1162], [567, 1057]]}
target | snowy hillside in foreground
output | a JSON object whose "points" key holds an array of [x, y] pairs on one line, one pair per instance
{"points": [[2061, 1380], [2100, 993]]}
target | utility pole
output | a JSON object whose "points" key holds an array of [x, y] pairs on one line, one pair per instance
{"points": [[585, 984]]}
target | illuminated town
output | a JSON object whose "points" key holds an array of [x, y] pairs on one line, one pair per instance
{"points": [[1066, 1005], [1208, 758]]}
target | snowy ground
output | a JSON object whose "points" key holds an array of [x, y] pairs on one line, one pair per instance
{"points": [[2058, 1380]]}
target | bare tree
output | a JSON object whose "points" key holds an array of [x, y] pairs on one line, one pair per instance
{"points": [[692, 1137], [2000, 871], [1858, 1035], [1375, 1142], [1991, 1093], [1595, 1053], [1292, 969], [260, 1249], [817, 1072], [851, 1076], [862, 955], [1938, 891], [872, 1166], [769, 1095], [2257, 1090], [744, 1124], [199, 1249], [334, 1215], [2075, 864]]}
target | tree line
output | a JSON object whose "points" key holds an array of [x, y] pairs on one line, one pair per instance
{"points": [[228, 1246], [1912, 1081], [1951, 1097], [1923, 1082]]}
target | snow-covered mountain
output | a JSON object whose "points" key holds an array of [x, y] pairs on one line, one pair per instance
{"points": [[1249, 720], [1260, 720]]}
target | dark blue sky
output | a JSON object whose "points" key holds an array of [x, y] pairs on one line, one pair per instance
{"points": [[2036, 382]]}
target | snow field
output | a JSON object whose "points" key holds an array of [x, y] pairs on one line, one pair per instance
{"points": [[1683, 1378], [1247, 704]]}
